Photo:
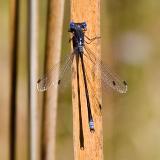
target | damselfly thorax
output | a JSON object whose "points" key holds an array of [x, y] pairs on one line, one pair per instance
{"points": [[78, 31]]}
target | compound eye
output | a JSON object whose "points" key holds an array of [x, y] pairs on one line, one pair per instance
{"points": [[72, 25], [84, 25]]}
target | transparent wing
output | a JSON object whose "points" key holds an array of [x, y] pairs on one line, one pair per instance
{"points": [[93, 95], [52, 78], [108, 78]]}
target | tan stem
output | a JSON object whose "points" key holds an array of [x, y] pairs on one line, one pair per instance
{"points": [[35, 110], [89, 11], [14, 39], [53, 50]]}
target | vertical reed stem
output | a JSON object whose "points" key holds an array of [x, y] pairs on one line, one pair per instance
{"points": [[89, 11], [53, 50], [33, 71], [14, 65]]}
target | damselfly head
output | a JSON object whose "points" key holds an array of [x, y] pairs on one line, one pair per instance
{"points": [[73, 26]]}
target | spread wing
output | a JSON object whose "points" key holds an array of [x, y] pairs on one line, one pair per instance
{"points": [[107, 76], [54, 76]]}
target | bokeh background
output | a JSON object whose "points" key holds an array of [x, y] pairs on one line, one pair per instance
{"points": [[130, 32]]}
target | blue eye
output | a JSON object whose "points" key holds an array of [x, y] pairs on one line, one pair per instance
{"points": [[72, 25], [84, 25]]}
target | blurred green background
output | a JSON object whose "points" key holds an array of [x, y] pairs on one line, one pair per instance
{"points": [[130, 32]]}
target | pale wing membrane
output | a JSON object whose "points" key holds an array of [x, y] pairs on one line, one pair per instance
{"points": [[108, 78], [93, 95], [51, 78]]}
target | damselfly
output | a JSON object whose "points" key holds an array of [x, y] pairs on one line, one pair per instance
{"points": [[80, 43]]}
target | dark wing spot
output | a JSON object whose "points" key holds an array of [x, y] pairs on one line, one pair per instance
{"points": [[125, 83], [59, 81], [38, 80], [114, 83]]}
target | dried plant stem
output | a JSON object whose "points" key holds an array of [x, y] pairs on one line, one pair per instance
{"points": [[89, 11], [53, 50], [13, 80], [33, 71]]}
